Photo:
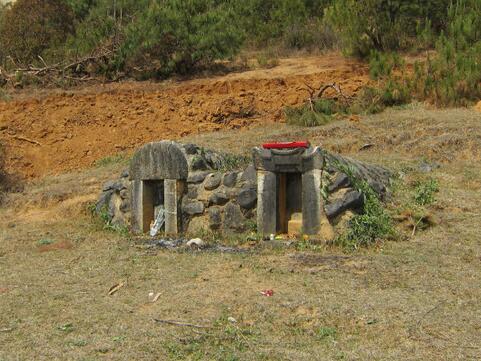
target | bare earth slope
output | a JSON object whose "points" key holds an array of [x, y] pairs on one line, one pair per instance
{"points": [[61, 131]]}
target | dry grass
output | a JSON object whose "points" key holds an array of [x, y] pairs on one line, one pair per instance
{"points": [[416, 299]]}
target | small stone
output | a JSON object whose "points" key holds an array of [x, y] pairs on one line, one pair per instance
{"points": [[193, 208], [197, 177], [247, 198], [124, 174], [230, 179], [218, 198], [198, 163], [191, 148], [212, 181]]}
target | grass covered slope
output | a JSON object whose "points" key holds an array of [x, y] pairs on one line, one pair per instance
{"points": [[416, 298]]}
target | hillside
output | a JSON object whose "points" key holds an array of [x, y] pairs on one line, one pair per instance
{"points": [[57, 131]]}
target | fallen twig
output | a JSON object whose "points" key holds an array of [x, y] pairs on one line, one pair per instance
{"points": [[115, 288], [18, 137], [177, 323]]}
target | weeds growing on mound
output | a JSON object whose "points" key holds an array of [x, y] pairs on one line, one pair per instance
{"points": [[373, 224]]}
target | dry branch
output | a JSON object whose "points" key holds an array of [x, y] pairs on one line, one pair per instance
{"points": [[58, 71], [177, 323], [313, 96]]}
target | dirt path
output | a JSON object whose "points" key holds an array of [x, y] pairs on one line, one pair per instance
{"points": [[60, 131]]}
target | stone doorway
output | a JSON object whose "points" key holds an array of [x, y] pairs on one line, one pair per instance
{"points": [[289, 200], [158, 172], [289, 188]]}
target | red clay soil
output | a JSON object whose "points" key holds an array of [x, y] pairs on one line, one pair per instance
{"points": [[65, 130]]}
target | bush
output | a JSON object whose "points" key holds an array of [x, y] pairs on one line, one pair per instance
{"points": [[179, 36], [373, 224], [424, 192], [29, 27], [292, 24], [383, 25], [453, 75]]}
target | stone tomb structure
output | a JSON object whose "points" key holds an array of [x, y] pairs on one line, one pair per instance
{"points": [[289, 190], [300, 190], [158, 174]]}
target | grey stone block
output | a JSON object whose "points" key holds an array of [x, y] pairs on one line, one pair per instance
{"points": [[266, 202], [351, 200], [212, 181], [230, 179], [197, 177], [215, 217], [247, 197], [192, 191], [311, 202], [193, 207], [234, 220], [196, 163], [218, 198], [191, 149], [249, 174], [341, 181]]}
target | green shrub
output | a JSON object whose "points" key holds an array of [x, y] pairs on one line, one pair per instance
{"points": [[383, 25], [29, 27], [424, 192], [453, 75], [373, 224], [179, 36]]}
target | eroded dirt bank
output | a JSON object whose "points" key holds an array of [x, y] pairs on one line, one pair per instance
{"points": [[64, 130]]}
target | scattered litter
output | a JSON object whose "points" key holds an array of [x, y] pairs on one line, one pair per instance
{"points": [[7, 329], [195, 242], [231, 320], [267, 293], [272, 237], [115, 288], [185, 243], [153, 298], [168, 243]]}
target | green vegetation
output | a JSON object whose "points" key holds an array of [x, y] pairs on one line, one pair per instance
{"points": [[157, 38], [425, 191], [103, 220], [373, 224], [119, 158], [384, 25]]}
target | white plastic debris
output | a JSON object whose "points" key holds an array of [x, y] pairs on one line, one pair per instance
{"points": [[195, 241], [159, 222], [231, 320]]}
